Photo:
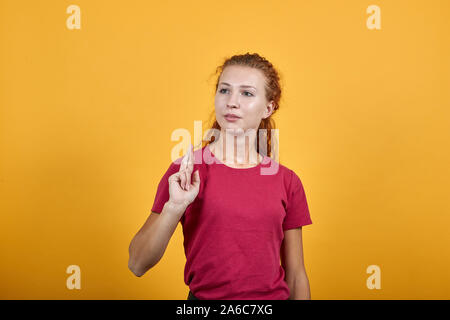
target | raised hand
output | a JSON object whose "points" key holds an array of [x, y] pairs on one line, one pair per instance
{"points": [[182, 189]]}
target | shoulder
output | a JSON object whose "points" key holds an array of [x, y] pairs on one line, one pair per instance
{"points": [[290, 178], [283, 170]]}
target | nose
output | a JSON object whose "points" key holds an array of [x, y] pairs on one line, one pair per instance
{"points": [[233, 101]]}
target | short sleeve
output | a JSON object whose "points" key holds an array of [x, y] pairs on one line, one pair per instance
{"points": [[297, 211], [162, 193]]}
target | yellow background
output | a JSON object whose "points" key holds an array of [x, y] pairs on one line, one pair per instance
{"points": [[86, 119]]}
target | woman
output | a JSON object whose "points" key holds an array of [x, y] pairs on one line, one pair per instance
{"points": [[239, 216]]}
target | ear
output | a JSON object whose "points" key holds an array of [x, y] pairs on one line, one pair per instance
{"points": [[269, 110]]}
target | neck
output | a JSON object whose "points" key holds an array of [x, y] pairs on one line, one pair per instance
{"points": [[236, 148]]}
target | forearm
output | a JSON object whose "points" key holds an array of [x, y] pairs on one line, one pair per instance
{"points": [[299, 286], [149, 245]]}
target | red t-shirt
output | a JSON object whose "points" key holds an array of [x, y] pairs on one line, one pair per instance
{"points": [[234, 228]]}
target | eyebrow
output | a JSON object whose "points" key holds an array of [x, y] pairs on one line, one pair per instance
{"points": [[243, 86]]}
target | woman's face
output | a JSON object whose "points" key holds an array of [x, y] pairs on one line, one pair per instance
{"points": [[241, 92]]}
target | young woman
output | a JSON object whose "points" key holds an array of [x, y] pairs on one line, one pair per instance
{"points": [[240, 210]]}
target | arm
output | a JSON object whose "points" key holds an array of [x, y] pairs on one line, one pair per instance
{"points": [[293, 265], [150, 243]]}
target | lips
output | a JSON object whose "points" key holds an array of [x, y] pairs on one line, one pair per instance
{"points": [[232, 116]]}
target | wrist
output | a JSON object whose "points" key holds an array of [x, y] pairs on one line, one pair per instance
{"points": [[175, 206]]}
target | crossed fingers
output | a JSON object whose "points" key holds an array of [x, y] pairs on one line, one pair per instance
{"points": [[186, 168]]}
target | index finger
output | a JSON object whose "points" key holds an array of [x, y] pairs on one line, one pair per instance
{"points": [[191, 157], [187, 159], [184, 162]]}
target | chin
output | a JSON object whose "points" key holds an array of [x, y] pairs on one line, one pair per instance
{"points": [[237, 131]]}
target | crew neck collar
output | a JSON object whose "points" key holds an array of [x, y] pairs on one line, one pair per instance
{"points": [[217, 161]]}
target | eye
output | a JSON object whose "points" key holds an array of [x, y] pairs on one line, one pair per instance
{"points": [[250, 94]]}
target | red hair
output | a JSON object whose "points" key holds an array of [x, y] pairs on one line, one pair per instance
{"points": [[272, 90]]}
